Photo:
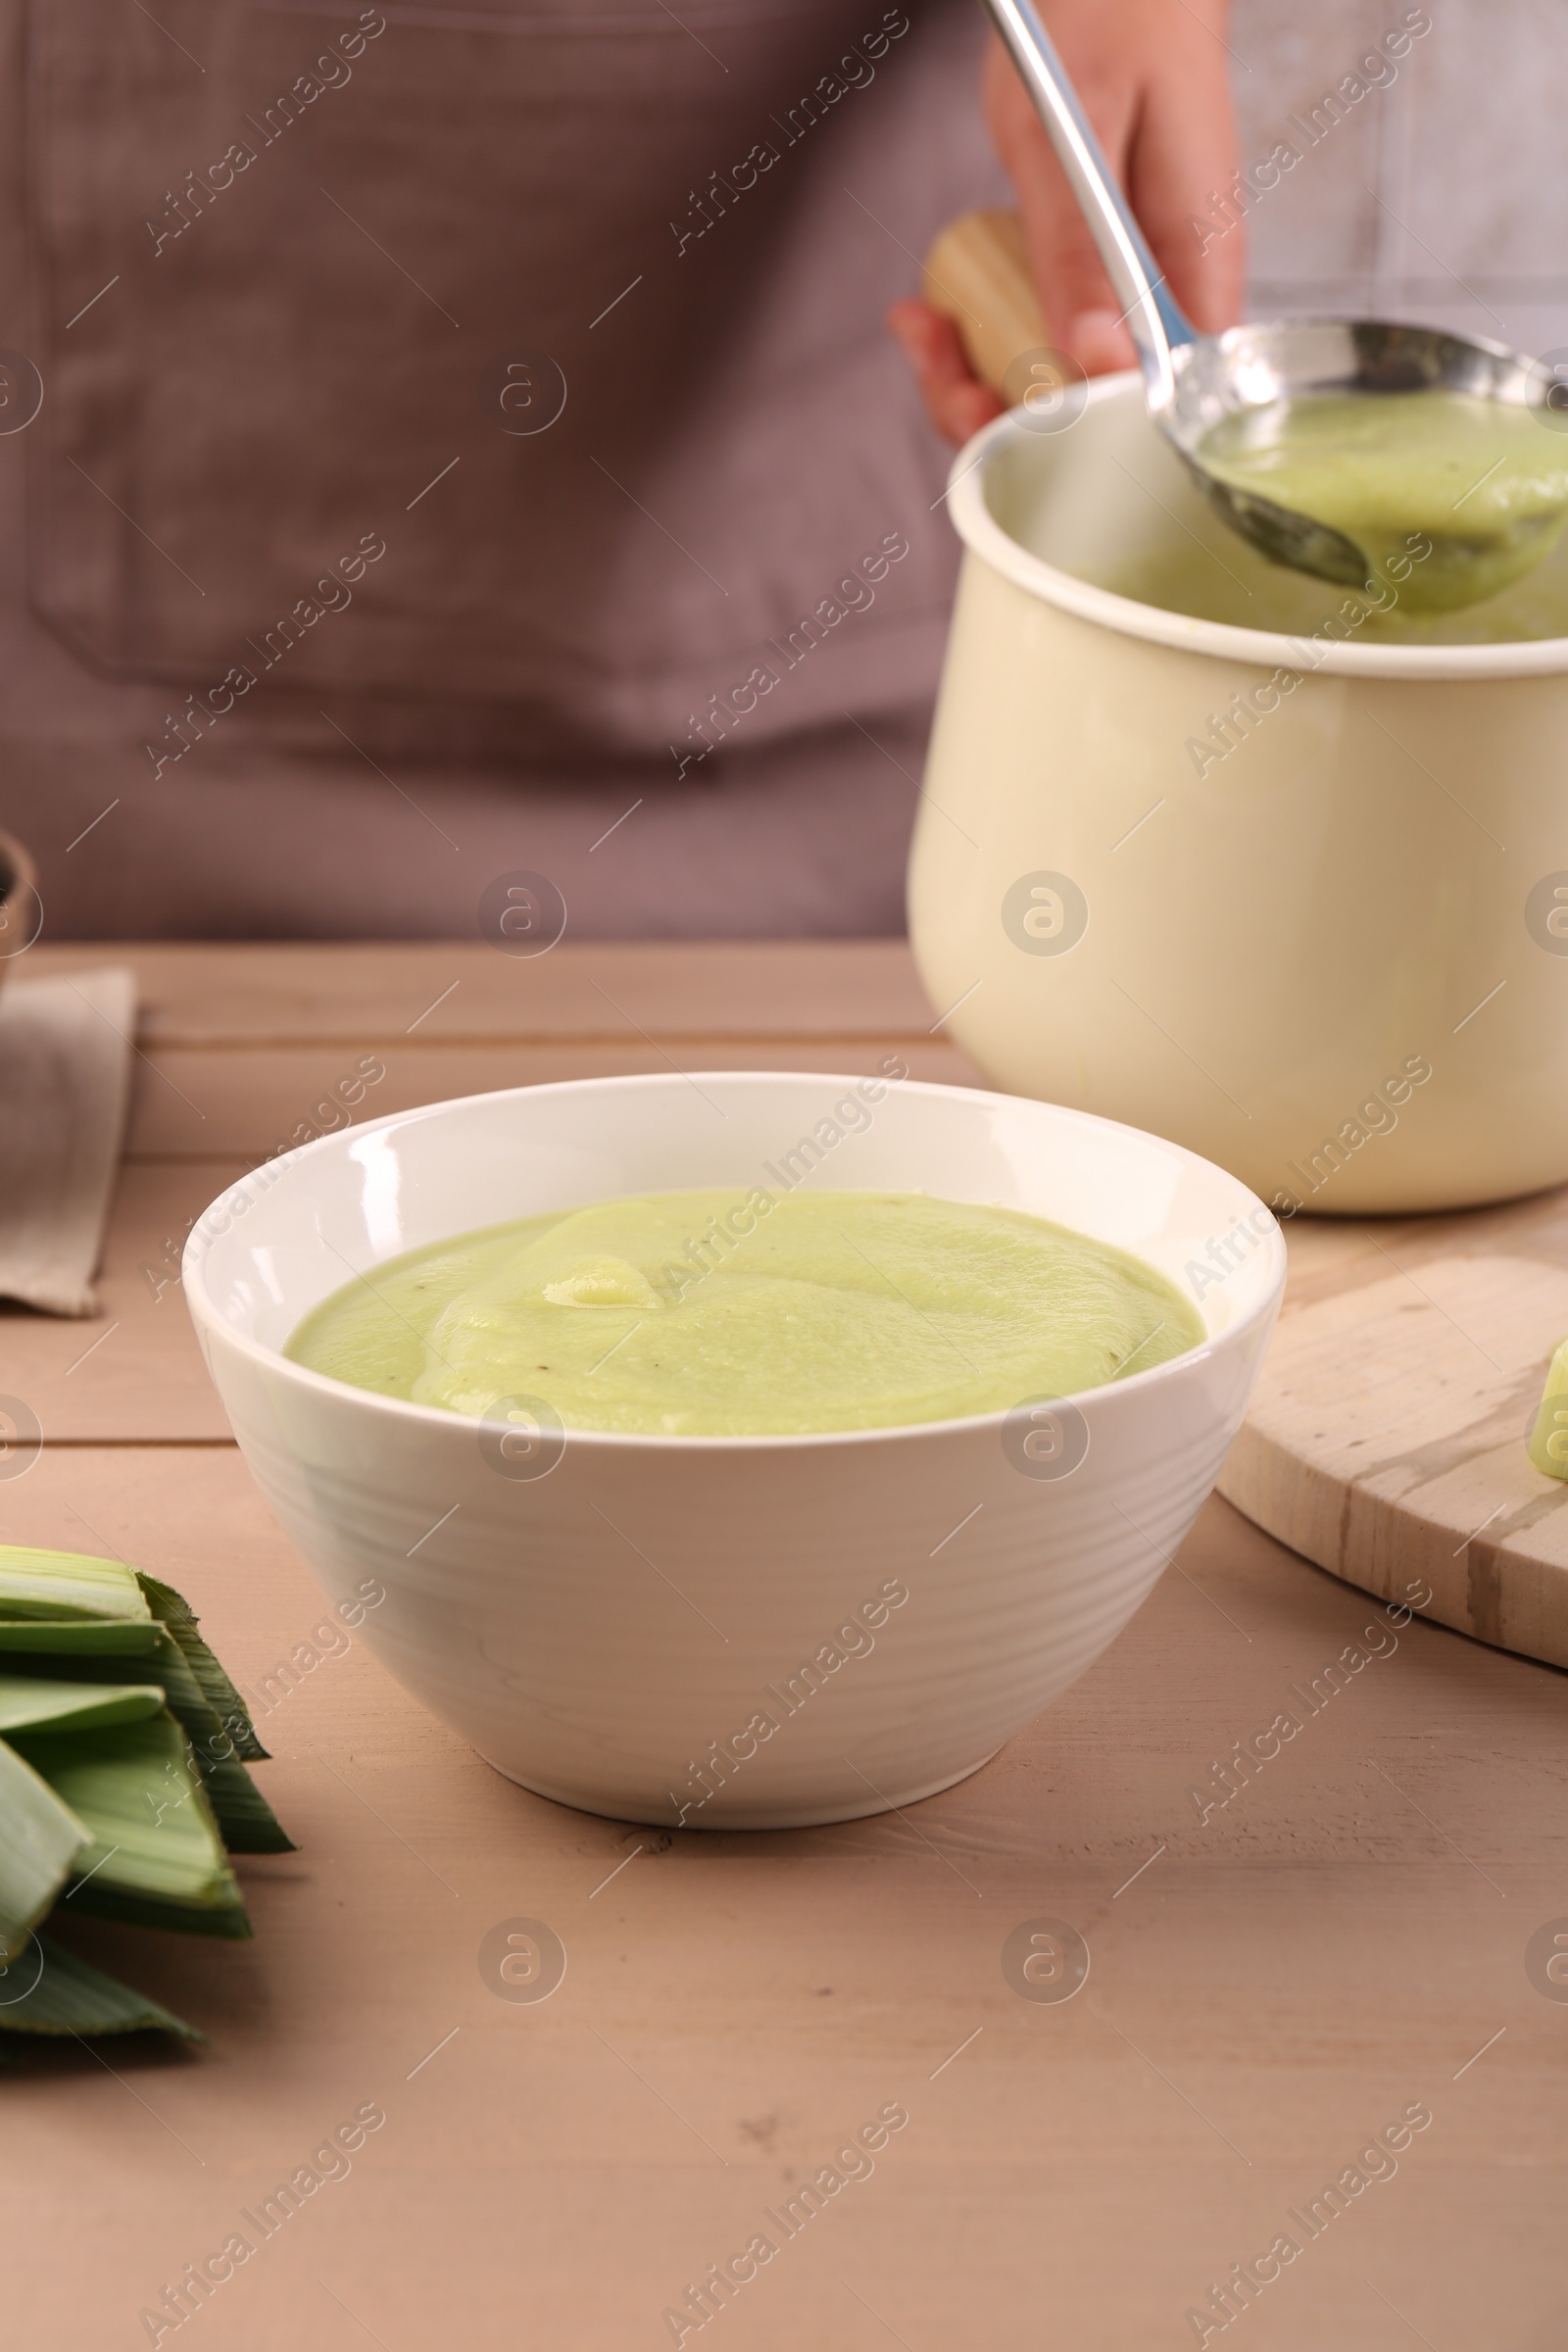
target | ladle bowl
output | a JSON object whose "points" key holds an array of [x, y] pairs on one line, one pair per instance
{"points": [[1258, 365]]}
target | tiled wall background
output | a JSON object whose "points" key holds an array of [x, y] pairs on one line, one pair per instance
{"points": [[1442, 198]]}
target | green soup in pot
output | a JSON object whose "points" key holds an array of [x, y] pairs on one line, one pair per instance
{"points": [[1457, 504], [732, 1313]]}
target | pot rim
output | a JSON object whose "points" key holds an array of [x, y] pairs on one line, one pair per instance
{"points": [[1264, 649]]}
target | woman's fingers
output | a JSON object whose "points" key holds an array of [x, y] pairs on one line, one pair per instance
{"points": [[957, 403], [1185, 154], [1153, 80], [1081, 313]]}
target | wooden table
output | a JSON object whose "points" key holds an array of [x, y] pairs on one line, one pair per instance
{"points": [[1270, 1985]]}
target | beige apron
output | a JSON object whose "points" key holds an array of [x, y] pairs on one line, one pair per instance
{"points": [[495, 403]]}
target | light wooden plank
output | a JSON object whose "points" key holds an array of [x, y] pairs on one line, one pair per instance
{"points": [[207, 1100], [357, 994], [133, 1372], [1332, 1254]]}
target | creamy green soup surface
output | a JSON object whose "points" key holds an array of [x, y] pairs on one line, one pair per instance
{"points": [[735, 1313]]}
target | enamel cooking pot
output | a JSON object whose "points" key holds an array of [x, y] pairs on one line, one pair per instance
{"points": [[1297, 903]]}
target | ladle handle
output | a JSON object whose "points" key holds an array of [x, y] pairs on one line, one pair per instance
{"points": [[1157, 320]]}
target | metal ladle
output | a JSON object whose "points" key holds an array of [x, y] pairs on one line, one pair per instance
{"points": [[1195, 380]]}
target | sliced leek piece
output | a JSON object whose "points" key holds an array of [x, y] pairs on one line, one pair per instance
{"points": [[122, 1748], [155, 1857], [32, 1702], [1547, 1447], [247, 1821], [61, 1994], [80, 1636], [175, 1612], [248, 1824], [41, 1841], [67, 1584]]}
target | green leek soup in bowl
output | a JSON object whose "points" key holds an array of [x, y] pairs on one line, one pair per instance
{"points": [[748, 1456], [743, 1315]]}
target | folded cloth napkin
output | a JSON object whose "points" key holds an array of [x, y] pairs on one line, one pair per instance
{"points": [[65, 1081]]}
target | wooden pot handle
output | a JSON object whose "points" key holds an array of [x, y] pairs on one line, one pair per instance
{"points": [[978, 272]]}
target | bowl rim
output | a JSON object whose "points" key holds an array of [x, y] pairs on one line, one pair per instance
{"points": [[1264, 649], [205, 1317]]}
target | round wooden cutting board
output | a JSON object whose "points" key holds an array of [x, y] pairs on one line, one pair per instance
{"points": [[1386, 1440]]}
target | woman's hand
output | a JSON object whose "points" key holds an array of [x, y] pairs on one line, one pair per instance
{"points": [[1153, 79]]}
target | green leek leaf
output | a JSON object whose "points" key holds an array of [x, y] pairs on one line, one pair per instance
{"points": [[67, 1997], [155, 1857], [172, 1610], [29, 1703], [123, 1752], [79, 1638], [67, 1584], [41, 1839], [247, 1821]]}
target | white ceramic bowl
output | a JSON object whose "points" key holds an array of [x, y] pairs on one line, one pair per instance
{"points": [[614, 1621], [1315, 914]]}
